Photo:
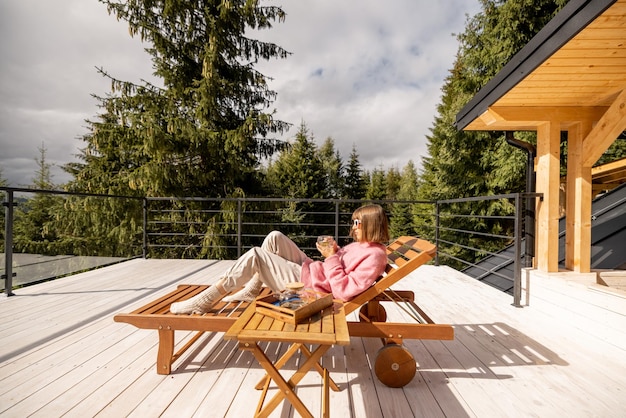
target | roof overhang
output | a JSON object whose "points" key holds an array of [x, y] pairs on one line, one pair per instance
{"points": [[571, 76], [574, 69]]}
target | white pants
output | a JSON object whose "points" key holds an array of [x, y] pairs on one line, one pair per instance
{"points": [[277, 262]]}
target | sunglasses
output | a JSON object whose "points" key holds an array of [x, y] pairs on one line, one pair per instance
{"points": [[356, 222]]}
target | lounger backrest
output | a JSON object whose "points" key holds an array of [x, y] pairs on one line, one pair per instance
{"points": [[404, 255]]}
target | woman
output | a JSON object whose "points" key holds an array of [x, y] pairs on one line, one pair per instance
{"points": [[345, 272]]}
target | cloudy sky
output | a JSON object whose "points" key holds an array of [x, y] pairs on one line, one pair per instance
{"points": [[364, 72]]}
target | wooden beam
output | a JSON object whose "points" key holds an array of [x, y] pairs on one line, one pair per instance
{"points": [[528, 118], [491, 117], [612, 123], [542, 114], [578, 209], [548, 159]]}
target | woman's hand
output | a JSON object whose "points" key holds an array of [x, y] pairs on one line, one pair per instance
{"points": [[327, 248]]}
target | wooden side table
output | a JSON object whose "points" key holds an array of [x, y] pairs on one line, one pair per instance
{"points": [[324, 329]]}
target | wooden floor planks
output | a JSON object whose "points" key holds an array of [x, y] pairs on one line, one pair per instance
{"points": [[61, 354]]}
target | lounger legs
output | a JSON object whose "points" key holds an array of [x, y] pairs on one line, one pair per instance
{"points": [[166, 351]]}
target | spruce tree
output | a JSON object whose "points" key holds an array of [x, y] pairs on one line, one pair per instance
{"points": [[355, 184], [200, 130], [333, 168], [377, 188], [299, 172], [204, 131], [463, 164], [401, 219], [393, 181], [33, 230]]}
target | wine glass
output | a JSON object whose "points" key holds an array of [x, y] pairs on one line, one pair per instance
{"points": [[325, 240]]}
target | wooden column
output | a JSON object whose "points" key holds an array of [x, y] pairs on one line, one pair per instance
{"points": [[578, 211], [548, 159]]}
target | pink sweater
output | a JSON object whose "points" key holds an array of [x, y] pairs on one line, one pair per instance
{"points": [[347, 273]]}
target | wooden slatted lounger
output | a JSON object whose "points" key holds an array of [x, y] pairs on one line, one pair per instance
{"points": [[394, 364]]}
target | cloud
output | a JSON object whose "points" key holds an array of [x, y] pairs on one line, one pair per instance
{"points": [[50, 50], [364, 72]]}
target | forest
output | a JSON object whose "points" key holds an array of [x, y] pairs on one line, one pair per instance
{"points": [[208, 132]]}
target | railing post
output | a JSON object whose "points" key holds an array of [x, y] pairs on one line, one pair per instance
{"points": [[529, 231], [8, 243], [437, 233], [239, 226], [517, 262], [145, 227], [336, 220]]}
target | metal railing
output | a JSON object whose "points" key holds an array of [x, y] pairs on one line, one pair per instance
{"points": [[10, 203], [228, 227], [225, 228], [521, 227]]}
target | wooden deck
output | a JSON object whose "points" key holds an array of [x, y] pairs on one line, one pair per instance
{"points": [[61, 354]]}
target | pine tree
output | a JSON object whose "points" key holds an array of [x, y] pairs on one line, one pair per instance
{"points": [[205, 130], [377, 188], [355, 184], [402, 214], [202, 130], [33, 231], [393, 181], [299, 172], [463, 164], [333, 168]]}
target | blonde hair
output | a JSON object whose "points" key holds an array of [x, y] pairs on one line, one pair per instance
{"points": [[374, 226]]}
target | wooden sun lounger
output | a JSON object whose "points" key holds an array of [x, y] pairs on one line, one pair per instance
{"points": [[405, 255]]}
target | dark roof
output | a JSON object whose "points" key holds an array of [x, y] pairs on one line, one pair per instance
{"points": [[608, 235], [573, 18]]}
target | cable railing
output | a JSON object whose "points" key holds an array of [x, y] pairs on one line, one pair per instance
{"points": [[464, 230], [225, 228], [513, 228]]}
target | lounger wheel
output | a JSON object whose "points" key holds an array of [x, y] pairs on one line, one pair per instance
{"points": [[394, 366], [372, 313]]}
